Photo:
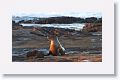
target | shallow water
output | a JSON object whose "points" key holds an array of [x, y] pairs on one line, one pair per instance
{"points": [[23, 51]]}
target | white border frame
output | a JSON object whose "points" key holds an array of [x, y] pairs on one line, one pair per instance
{"points": [[104, 67]]}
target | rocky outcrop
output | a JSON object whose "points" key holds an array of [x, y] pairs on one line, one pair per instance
{"points": [[92, 27], [34, 54], [16, 26], [58, 20]]}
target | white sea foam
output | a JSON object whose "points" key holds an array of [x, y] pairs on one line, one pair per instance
{"points": [[76, 26]]}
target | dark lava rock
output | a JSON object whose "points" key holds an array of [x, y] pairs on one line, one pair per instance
{"points": [[34, 54]]}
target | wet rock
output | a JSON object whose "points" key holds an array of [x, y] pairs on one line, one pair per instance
{"points": [[85, 60], [96, 33], [34, 54], [44, 51], [93, 40], [65, 60], [18, 58], [72, 52], [92, 27]]}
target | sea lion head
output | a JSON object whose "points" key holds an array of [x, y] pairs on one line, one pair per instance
{"points": [[53, 34], [52, 37]]}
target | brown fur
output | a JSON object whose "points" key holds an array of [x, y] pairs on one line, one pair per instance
{"points": [[55, 46]]}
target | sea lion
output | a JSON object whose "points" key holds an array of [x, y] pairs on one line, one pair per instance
{"points": [[56, 49]]}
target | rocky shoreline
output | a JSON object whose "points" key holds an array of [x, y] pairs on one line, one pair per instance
{"points": [[30, 44], [40, 55]]}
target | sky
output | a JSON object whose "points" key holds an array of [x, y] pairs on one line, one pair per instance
{"points": [[54, 14]]}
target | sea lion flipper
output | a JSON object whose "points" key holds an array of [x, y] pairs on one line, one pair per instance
{"points": [[61, 51], [50, 53]]}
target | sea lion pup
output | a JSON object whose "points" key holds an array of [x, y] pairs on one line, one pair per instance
{"points": [[56, 48]]}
